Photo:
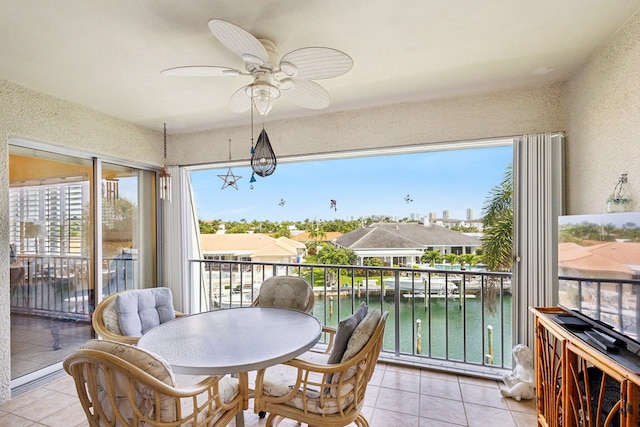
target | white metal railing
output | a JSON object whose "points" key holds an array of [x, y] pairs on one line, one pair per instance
{"points": [[451, 319]]}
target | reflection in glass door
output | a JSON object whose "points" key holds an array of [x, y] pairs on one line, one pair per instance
{"points": [[52, 207], [50, 235], [128, 228]]}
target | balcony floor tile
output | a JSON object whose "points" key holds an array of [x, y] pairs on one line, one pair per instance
{"points": [[397, 395]]}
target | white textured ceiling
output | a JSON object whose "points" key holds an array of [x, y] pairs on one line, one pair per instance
{"points": [[107, 55]]}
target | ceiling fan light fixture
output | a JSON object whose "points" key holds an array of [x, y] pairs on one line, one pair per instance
{"points": [[263, 96]]}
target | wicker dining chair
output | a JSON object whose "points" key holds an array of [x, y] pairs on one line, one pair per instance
{"points": [[310, 390], [106, 317], [121, 384], [286, 292]]}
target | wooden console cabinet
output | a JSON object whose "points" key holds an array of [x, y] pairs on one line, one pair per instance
{"points": [[577, 384]]}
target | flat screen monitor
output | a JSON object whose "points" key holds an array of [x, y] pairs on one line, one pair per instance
{"points": [[599, 269]]}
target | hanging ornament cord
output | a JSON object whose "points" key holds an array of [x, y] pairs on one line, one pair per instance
{"points": [[230, 180], [253, 174], [165, 176]]}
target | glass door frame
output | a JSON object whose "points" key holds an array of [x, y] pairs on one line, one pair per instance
{"points": [[96, 231]]}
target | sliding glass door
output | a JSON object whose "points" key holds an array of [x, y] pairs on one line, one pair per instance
{"points": [[61, 265], [128, 228]]}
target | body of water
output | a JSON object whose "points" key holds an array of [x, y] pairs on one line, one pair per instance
{"points": [[444, 324]]}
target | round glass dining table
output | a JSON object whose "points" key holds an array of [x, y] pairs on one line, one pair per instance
{"points": [[232, 340]]}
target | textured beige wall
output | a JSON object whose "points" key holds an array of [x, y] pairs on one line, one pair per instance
{"points": [[492, 115], [29, 115], [604, 124]]}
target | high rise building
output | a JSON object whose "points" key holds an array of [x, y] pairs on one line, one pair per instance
{"points": [[470, 214]]}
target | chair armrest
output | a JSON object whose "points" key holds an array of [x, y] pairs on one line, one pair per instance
{"points": [[332, 335], [106, 334]]}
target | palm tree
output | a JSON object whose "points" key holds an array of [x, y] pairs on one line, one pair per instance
{"points": [[497, 242], [498, 225], [431, 257], [468, 259], [451, 258]]}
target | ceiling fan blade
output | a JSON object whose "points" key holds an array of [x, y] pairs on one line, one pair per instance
{"points": [[240, 101], [201, 71], [239, 41], [307, 94], [314, 63]]}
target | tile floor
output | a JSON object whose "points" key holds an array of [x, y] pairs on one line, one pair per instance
{"points": [[397, 396]]}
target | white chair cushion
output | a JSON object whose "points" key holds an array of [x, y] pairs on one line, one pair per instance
{"points": [[286, 292], [144, 309], [158, 368], [344, 331], [358, 340], [147, 362], [362, 334], [143, 360]]}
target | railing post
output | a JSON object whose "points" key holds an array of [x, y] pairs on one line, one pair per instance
{"points": [[489, 355], [418, 336]]}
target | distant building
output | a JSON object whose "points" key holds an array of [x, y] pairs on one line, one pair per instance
{"points": [[404, 244], [477, 223], [470, 214], [251, 247]]}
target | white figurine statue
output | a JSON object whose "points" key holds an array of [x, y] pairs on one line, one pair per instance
{"points": [[522, 380]]}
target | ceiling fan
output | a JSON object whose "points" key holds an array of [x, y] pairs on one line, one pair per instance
{"points": [[291, 77]]}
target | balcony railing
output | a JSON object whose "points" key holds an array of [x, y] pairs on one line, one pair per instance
{"points": [[459, 320], [450, 319], [59, 287], [613, 302]]}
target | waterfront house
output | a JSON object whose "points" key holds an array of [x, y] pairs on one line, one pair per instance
{"points": [[251, 247], [73, 107], [403, 244]]}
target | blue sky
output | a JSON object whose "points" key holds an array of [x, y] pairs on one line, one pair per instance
{"points": [[435, 181]]}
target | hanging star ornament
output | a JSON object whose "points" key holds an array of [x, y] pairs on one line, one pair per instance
{"points": [[230, 180]]}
